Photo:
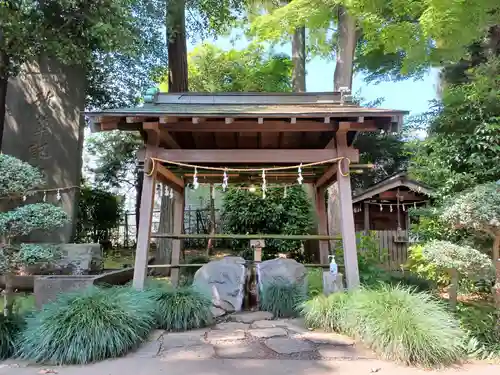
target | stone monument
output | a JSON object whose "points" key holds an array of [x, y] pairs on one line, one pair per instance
{"points": [[44, 127]]}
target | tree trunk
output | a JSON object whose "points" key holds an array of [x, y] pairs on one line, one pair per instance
{"points": [[176, 45], [453, 289], [8, 294], [4, 81], [163, 253], [299, 60], [347, 39], [210, 244], [496, 288]]}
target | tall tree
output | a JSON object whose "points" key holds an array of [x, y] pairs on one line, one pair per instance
{"points": [[72, 32], [394, 38], [177, 50]]}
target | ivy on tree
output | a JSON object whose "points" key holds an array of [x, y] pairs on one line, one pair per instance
{"points": [[17, 178]]}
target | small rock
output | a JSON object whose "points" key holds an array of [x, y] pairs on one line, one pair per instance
{"points": [[217, 312], [222, 335], [325, 338], [232, 326], [250, 317], [47, 371], [194, 352], [285, 345], [265, 333], [239, 349], [373, 370]]}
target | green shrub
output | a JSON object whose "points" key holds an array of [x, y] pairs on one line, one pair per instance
{"points": [[479, 321], [282, 298], [404, 326], [83, 327], [10, 326], [419, 284], [180, 309], [325, 312]]}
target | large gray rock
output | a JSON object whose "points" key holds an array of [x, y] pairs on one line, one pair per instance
{"points": [[47, 288], [288, 270], [225, 279]]}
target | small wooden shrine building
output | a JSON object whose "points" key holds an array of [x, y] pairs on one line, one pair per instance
{"points": [[384, 206], [247, 130]]}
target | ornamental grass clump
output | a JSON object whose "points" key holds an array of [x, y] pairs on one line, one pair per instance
{"points": [[324, 312], [180, 309], [405, 326], [282, 298], [84, 327], [10, 326]]}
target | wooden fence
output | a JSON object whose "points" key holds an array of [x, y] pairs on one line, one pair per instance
{"points": [[393, 247]]}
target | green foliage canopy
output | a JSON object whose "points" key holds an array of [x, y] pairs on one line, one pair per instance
{"points": [[253, 69], [401, 34], [477, 209], [463, 145], [467, 261]]}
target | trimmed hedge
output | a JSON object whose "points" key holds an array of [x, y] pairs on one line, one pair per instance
{"points": [[88, 326]]}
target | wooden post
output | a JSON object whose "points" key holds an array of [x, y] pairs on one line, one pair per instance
{"points": [[144, 231], [366, 212], [346, 217], [176, 243], [324, 248]]}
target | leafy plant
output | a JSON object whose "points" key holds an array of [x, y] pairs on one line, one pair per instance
{"points": [[282, 298], [457, 261], [17, 179], [370, 259], [180, 309], [84, 327], [247, 212], [10, 326], [314, 282], [479, 321], [99, 213], [420, 266]]}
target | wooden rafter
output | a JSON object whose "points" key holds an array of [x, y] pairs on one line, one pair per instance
{"points": [[160, 135], [170, 178]]}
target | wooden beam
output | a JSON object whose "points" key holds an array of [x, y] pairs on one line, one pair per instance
{"points": [[144, 230], [109, 126], [168, 120], [171, 179], [324, 247], [249, 126], [257, 156], [327, 175], [347, 228], [159, 135], [365, 126], [332, 143], [132, 120]]}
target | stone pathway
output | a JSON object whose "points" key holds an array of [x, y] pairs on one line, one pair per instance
{"points": [[251, 335]]}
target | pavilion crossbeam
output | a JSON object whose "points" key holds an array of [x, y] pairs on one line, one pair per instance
{"points": [[248, 236], [250, 156]]}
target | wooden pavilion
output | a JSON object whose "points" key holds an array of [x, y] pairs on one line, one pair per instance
{"points": [[384, 206], [257, 130]]}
